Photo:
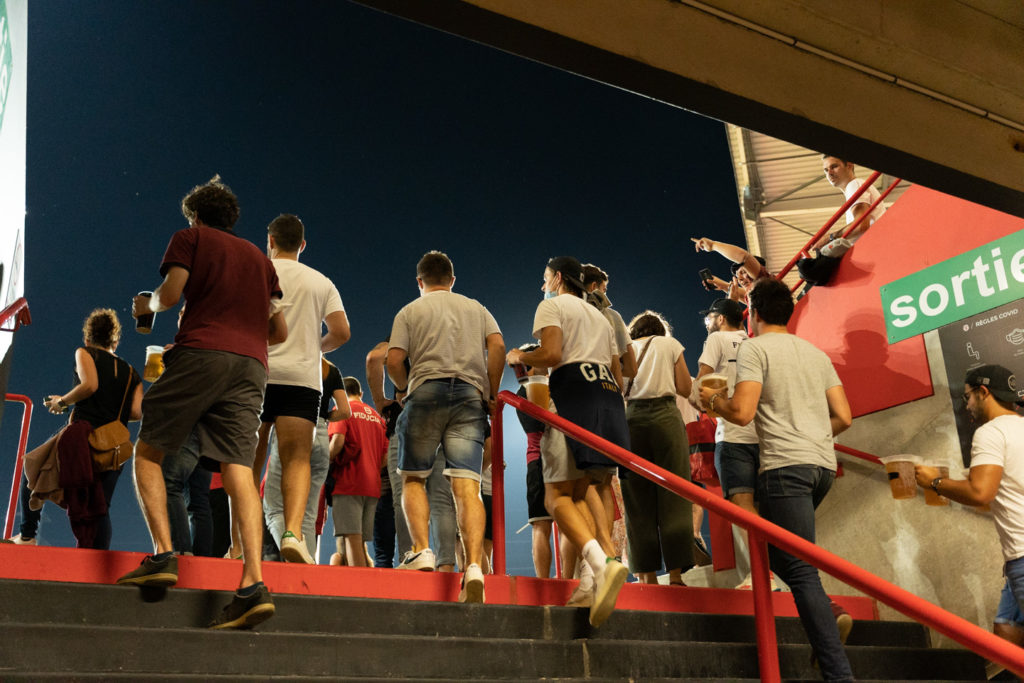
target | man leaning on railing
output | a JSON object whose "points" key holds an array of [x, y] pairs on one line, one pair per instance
{"points": [[818, 270]]}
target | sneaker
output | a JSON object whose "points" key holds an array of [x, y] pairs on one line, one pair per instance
{"points": [[472, 585], [844, 622], [581, 597], [294, 550], [422, 561], [244, 613], [153, 572], [607, 584], [747, 584], [701, 554], [18, 539]]}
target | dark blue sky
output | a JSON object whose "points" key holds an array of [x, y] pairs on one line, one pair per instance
{"points": [[388, 139]]}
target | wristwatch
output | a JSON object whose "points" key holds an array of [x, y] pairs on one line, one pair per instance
{"points": [[935, 484]]}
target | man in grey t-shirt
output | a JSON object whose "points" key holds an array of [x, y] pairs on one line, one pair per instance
{"points": [[791, 392], [456, 357]]}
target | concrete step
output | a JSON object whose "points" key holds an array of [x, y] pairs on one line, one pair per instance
{"points": [[90, 649], [100, 605]]}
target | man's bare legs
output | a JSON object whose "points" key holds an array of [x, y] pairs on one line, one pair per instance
{"points": [[295, 446], [469, 510], [416, 507], [152, 495], [245, 506], [541, 532]]}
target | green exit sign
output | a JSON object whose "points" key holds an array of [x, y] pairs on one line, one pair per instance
{"points": [[6, 70], [976, 281]]}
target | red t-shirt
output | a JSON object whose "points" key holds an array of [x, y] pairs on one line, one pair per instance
{"points": [[356, 470], [227, 295]]}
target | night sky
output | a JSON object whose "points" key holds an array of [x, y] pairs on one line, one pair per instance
{"points": [[388, 139]]}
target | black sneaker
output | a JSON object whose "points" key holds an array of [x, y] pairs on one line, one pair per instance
{"points": [[153, 572], [244, 613]]}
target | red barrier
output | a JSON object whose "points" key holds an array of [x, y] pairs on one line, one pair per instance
{"points": [[970, 635], [26, 420]]}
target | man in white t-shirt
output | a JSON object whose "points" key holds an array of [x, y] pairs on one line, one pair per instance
{"points": [[292, 402], [997, 466], [789, 389], [840, 174], [736, 451], [456, 358]]}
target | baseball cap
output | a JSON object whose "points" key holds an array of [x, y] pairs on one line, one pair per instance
{"points": [[730, 308], [998, 380], [570, 269]]}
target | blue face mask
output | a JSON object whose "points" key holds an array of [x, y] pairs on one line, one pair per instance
{"points": [[550, 295]]}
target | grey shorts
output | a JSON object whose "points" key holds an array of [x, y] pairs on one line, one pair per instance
{"points": [[558, 464], [218, 393], [353, 515]]}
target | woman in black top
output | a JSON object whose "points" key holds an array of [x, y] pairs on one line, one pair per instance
{"points": [[104, 385]]}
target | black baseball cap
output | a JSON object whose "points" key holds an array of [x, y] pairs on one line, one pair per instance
{"points": [[1000, 382], [730, 308], [570, 268]]}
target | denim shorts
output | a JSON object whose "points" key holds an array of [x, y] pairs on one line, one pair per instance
{"points": [[446, 413], [1008, 611], [737, 465]]}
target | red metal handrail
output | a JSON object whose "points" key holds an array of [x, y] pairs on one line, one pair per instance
{"points": [[831, 221], [761, 532], [857, 454], [18, 310], [26, 420]]}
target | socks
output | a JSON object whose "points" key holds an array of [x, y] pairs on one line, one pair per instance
{"points": [[160, 557], [594, 555]]}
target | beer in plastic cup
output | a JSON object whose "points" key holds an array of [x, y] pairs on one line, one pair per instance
{"points": [[154, 363], [144, 323], [716, 382], [537, 391], [933, 470], [900, 470]]}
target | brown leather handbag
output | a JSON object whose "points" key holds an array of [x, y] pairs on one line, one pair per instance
{"points": [[111, 444]]}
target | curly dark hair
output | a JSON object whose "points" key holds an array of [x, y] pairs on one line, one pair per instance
{"points": [[102, 329], [649, 324], [214, 204], [772, 300]]}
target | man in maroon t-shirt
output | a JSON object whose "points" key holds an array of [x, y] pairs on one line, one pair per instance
{"points": [[215, 376], [358, 451]]}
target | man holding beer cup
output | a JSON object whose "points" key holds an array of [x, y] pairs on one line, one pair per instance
{"points": [[997, 466]]}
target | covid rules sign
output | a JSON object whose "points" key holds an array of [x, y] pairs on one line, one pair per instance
{"points": [[975, 281]]}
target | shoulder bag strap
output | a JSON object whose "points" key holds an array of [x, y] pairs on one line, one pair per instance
{"points": [[639, 362]]}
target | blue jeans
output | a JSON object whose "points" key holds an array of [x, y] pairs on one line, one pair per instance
{"points": [[788, 497], [442, 413], [1014, 570], [401, 528], [29, 517], [184, 478], [1008, 611], [273, 502]]}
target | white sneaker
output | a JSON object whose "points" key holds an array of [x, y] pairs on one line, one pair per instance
{"points": [[607, 584], [747, 584], [294, 550], [18, 539], [472, 585], [422, 561], [583, 594]]}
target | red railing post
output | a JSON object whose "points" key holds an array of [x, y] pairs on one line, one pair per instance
{"points": [[498, 490], [19, 461], [764, 614]]}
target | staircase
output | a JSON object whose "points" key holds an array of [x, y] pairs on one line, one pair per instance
{"points": [[90, 632]]}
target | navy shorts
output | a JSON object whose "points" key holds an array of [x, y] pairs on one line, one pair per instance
{"points": [[586, 393], [535, 492], [737, 465]]}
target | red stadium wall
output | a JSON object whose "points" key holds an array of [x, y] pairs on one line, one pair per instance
{"points": [[844, 319]]}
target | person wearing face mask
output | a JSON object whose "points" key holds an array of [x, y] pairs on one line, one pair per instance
{"points": [[577, 342]]}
